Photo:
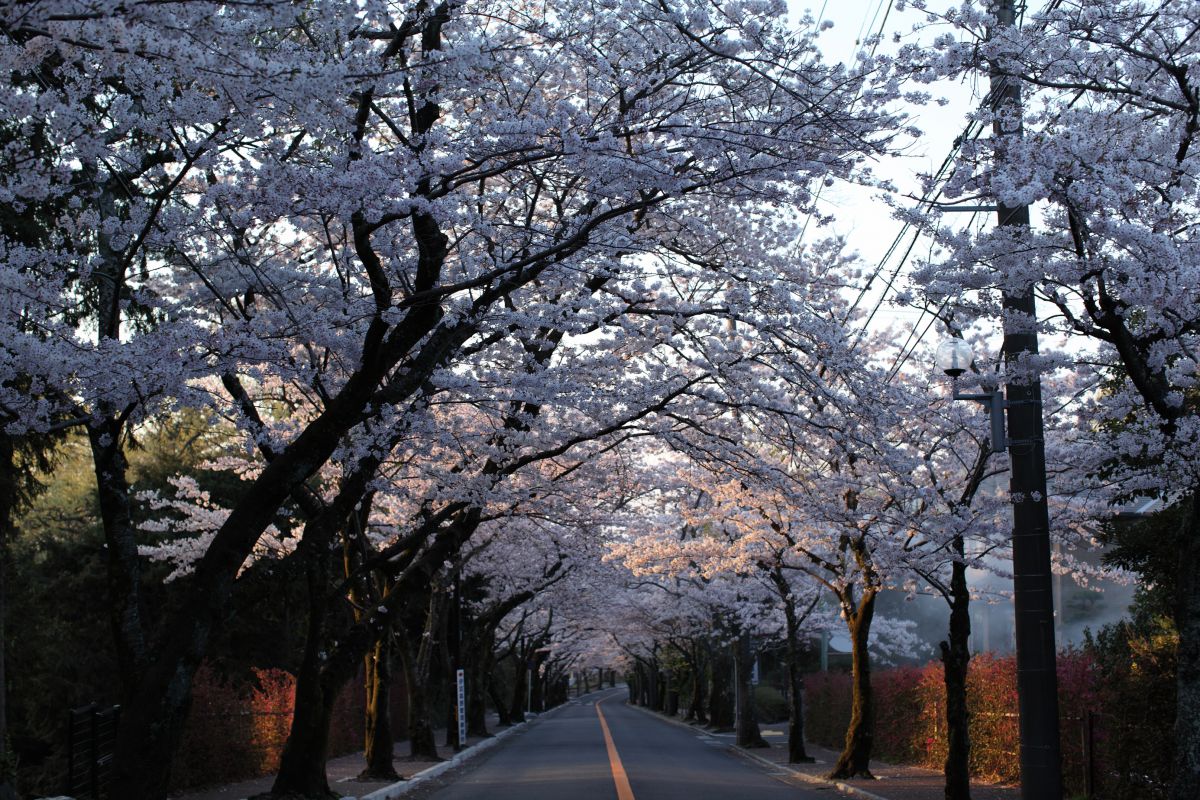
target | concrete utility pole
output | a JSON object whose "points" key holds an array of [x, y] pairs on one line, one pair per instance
{"points": [[1037, 680]]}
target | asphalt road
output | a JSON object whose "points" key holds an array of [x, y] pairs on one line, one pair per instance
{"points": [[566, 755]]}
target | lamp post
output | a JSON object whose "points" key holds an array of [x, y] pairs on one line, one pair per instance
{"points": [[1033, 596], [954, 357]]}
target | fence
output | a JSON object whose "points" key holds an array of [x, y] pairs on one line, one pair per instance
{"points": [[91, 733]]}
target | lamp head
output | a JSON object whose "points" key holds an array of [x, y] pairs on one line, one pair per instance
{"points": [[953, 357]]}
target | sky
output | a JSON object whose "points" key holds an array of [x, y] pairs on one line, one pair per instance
{"points": [[862, 218]]}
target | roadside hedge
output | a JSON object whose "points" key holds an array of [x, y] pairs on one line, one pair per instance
{"points": [[1120, 709], [237, 730]]}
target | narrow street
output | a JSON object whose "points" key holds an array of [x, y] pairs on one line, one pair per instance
{"points": [[569, 755]]}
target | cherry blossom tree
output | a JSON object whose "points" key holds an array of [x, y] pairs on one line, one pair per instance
{"points": [[1110, 123], [349, 197]]}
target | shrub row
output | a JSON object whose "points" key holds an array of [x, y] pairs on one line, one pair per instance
{"points": [[1124, 716], [237, 730]]}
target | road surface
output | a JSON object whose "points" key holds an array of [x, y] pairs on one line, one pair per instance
{"points": [[601, 749]]}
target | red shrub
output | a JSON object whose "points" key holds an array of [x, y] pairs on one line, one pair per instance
{"points": [[237, 730], [910, 719]]}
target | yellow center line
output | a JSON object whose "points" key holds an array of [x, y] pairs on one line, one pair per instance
{"points": [[614, 760]]}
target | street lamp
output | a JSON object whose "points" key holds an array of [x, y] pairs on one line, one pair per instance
{"points": [[954, 357], [1033, 592]]}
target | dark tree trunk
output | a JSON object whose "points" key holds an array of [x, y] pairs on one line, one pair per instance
{"points": [[720, 701], [695, 712], [378, 740], [302, 764], [672, 706], [502, 709], [8, 496], [450, 683], [956, 657], [422, 743], [797, 754], [478, 676], [521, 687], [417, 662], [538, 693], [855, 759], [152, 721], [747, 732], [1187, 621], [123, 564]]}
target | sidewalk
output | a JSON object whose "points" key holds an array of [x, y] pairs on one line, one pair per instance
{"points": [[893, 781]]}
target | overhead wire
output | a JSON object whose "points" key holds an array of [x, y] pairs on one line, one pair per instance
{"points": [[906, 352], [972, 131]]}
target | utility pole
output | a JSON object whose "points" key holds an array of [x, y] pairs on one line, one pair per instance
{"points": [[1037, 680]]}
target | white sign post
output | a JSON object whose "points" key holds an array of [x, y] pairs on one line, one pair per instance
{"points": [[462, 709]]}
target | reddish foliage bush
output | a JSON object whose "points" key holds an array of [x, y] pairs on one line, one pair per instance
{"points": [[237, 730], [910, 714]]}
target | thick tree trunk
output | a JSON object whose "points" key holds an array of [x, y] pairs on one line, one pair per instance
{"points": [[797, 754], [855, 759], [123, 564], [422, 743], [695, 711], [748, 734], [956, 657], [720, 701], [8, 494], [672, 706], [450, 684], [478, 676], [696, 699], [654, 687], [521, 688], [538, 694], [302, 765], [417, 662], [152, 721], [502, 709], [378, 740], [1187, 621]]}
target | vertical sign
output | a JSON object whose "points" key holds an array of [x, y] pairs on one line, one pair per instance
{"points": [[462, 709]]}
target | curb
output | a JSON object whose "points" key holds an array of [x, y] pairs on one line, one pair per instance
{"points": [[401, 788], [804, 776], [813, 779]]}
